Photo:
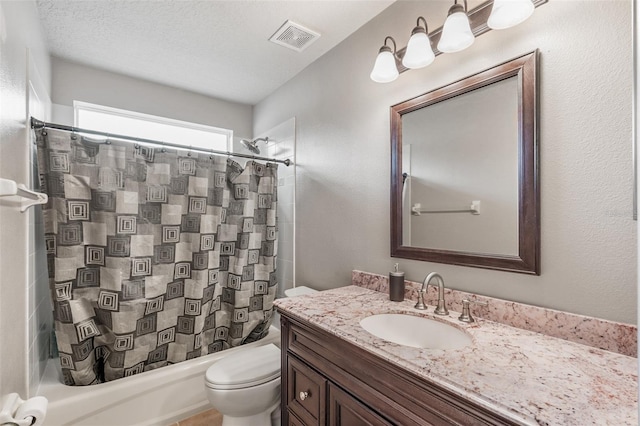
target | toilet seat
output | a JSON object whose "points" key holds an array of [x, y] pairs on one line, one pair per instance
{"points": [[250, 368]]}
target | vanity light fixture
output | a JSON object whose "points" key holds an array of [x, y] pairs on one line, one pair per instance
{"points": [[456, 31], [419, 53], [385, 69], [507, 13]]}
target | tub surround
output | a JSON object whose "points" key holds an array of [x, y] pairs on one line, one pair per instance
{"points": [[523, 376], [598, 333]]}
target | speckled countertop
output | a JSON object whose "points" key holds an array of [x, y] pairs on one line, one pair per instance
{"points": [[530, 377]]}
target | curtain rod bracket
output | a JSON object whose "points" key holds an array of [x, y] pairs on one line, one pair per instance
{"points": [[37, 124]]}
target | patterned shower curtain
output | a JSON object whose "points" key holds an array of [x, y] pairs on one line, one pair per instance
{"points": [[155, 256]]}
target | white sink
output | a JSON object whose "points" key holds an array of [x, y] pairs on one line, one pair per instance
{"points": [[417, 332]]}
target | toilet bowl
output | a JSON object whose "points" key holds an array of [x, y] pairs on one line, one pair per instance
{"points": [[245, 389]]}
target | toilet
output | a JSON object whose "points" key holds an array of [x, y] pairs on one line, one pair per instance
{"points": [[245, 388]]}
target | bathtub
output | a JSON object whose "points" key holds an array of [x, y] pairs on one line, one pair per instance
{"points": [[159, 397]]}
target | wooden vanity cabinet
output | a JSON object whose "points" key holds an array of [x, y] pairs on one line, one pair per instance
{"points": [[328, 381]]}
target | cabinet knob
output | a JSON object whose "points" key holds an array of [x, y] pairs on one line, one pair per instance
{"points": [[304, 395]]}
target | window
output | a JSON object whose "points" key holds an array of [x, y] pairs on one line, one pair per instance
{"points": [[123, 122]]}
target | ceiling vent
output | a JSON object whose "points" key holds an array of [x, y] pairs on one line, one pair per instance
{"points": [[294, 36]]}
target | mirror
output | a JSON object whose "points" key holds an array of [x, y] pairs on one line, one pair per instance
{"points": [[464, 171]]}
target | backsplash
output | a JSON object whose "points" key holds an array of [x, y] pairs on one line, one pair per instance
{"points": [[608, 335]]}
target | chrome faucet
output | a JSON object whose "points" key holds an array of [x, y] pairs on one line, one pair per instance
{"points": [[441, 309]]}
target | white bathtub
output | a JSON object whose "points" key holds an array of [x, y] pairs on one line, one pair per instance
{"points": [[158, 397]]}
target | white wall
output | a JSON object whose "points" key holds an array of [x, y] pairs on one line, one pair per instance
{"points": [[23, 341], [72, 81], [588, 253]]}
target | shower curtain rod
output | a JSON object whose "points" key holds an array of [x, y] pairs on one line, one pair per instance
{"points": [[38, 124]]}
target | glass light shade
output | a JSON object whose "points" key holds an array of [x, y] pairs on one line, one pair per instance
{"points": [[419, 52], [384, 69], [507, 13], [456, 33]]}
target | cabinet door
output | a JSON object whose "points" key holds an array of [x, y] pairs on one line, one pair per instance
{"points": [[306, 393], [344, 410]]}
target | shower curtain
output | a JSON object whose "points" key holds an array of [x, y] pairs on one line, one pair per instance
{"points": [[155, 256]]}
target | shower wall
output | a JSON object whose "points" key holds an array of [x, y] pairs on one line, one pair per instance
{"points": [[40, 322], [25, 77], [282, 145]]}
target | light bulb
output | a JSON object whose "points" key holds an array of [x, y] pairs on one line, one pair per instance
{"points": [[384, 69], [456, 32], [507, 13]]}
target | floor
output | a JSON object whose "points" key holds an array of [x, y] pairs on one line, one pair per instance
{"points": [[206, 418]]}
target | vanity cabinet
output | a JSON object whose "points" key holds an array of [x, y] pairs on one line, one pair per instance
{"points": [[327, 380]]}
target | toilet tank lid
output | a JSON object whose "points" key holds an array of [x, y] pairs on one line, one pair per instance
{"points": [[249, 367], [299, 291]]}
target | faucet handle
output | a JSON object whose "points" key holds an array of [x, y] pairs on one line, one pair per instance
{"points": [[466, 312], [420, 305]]}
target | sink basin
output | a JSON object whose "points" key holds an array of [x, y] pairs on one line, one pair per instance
{"points": [[416, 332]]}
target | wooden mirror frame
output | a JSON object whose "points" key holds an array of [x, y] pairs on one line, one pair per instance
{"points": [[528, 258]]}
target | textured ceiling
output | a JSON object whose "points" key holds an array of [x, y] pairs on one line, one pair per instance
{"points": [[217, 48]]}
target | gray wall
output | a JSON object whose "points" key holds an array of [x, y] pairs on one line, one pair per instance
{"points": [[343, 164], [72, 81], [465, 149], [24, 311]]}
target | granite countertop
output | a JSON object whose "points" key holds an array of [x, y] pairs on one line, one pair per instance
{"points": [[532, 378]]}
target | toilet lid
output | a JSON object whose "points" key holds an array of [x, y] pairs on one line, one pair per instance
{"points": [[250, 367]]}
